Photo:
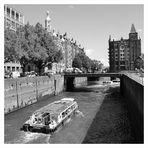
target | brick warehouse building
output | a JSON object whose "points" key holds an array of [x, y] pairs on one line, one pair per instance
{"points": [[124, 52]]}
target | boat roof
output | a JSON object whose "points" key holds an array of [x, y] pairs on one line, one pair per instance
{"points": [[56, 107]]}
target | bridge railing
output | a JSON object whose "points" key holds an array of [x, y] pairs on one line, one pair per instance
{"points": [[92, 74]]}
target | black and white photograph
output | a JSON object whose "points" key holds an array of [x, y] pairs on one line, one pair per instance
{"points": [[73, 73]]}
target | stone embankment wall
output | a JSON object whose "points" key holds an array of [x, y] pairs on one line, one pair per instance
{"points": [[22, 92], [25, 91], [80, 81], [133, 92], [59, 84]]}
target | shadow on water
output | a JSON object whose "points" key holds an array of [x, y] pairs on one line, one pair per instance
{"points": [[92, 83], [111, 123], [82, 89]]}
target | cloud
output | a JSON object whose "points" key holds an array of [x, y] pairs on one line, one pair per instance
{"points": [[139, 30], [88, 51]]}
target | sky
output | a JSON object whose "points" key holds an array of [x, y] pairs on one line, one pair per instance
{"points": [[90, 25]]}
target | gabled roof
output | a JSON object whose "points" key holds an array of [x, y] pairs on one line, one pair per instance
{"points": [[133, 30]]}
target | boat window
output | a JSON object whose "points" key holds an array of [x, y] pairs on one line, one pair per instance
{"points": [[63, 114], [39, 120], [72, 107], [48, 117], [68, 110], [45, 114], [46, 121], [35, 120]]}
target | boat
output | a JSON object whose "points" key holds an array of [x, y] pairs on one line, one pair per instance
{"points": [[48, 118], [107, 82]]}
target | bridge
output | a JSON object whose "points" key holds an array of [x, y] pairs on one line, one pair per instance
{"points": [[73, 75], [69, 77]]}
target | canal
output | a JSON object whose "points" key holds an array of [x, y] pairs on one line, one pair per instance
{"points": [[102, 118]]}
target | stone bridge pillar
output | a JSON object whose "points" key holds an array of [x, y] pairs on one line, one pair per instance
{"points": [[69, 83]]}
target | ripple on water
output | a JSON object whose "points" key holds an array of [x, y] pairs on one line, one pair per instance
{"points": [[79, 113], [29, 137]]}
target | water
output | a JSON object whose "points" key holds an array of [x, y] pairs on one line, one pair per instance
{"points": [[89, 99]]}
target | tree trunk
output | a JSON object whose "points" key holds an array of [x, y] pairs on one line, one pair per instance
{"points": [[40, 69], [23, 69]]}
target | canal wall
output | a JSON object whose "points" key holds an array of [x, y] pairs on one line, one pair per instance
{"points": [[59, 84], [25, 91], [80, 81], [133, 93]]}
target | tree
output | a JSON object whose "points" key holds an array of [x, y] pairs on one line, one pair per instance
{"points": [[49, 43], [23, 50], [26, 44], [139, 63], [15, 47], [31, 44], [77, 62], [82, 61], [58, 56], [96, 65], [86, 61], [10, 45]]}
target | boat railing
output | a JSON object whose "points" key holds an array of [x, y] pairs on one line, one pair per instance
{"points": [[65, 114]]}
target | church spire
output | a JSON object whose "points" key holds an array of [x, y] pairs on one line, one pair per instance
{"points": [[109, 37], [133, 30], [133, 35], [48, 22]]}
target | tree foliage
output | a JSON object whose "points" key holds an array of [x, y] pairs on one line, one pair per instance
{"points": [[82, 61], [31, 44], [10, 45], [139, 63], [77, 62]]}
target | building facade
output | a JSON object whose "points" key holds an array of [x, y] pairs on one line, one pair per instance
{"points": [[48, 22], [13, 19], [68, 47], [63, 44], [68, 54], [12, 66], [124, 52]]}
